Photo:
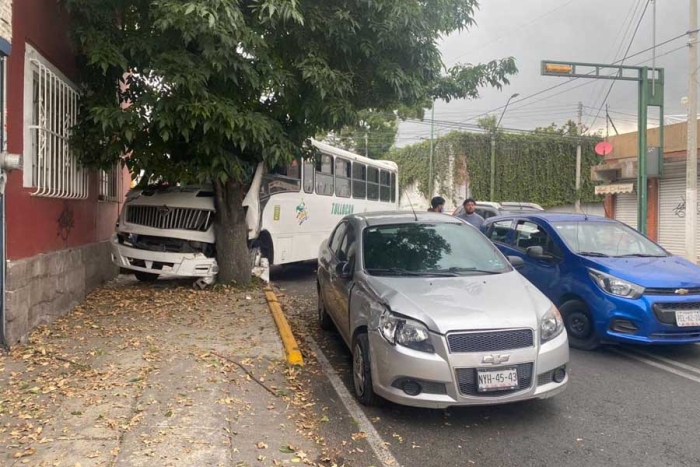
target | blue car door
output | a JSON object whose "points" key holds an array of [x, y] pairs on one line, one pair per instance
{"points": [[542, 267]]}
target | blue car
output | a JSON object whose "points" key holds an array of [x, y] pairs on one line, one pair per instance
{"points": [[610, 283]]}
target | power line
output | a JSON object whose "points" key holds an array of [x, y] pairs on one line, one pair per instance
{"points": [[612, 84], [629, 21], [574, 79]]}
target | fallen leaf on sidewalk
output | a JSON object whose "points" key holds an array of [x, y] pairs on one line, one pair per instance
{"points": [[358, 436], [287, 449], [261, 445]]}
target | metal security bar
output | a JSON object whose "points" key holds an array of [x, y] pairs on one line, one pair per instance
{"points": [[55, 172], [111, 184]]}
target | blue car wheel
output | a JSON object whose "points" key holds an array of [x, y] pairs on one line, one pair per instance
{"points": [[579, 325]]}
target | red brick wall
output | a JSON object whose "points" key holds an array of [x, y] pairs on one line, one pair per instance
{"points": [[32, 222]]}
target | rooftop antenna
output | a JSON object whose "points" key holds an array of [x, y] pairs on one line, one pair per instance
{"points": [[410, 204]]}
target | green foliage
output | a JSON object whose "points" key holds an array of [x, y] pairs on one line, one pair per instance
{"points": [[216, 87], [538, 168]]}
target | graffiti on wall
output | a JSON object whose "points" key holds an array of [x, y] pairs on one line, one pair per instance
{"points": [[679, 210], [66, 222]]}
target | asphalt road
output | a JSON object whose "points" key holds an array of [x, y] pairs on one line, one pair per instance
{"points": [[625, 406]]}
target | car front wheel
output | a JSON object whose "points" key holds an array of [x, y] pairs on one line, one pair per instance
{"points": [[579, 325], [362, 373]]}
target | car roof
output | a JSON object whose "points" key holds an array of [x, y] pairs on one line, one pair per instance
{"points": [[404, 217], [553, 217]]}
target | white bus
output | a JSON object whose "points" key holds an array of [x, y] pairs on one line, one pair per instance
{"points": [[289, 211]]}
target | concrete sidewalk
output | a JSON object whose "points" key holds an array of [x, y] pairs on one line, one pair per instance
{"points": [[145, 375]]}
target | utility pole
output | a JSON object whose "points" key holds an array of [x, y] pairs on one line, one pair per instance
{"points": [[578, 158], [430, 169], [691, 181]]}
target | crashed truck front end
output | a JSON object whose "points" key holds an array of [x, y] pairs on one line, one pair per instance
{"points": [[167, 232]]}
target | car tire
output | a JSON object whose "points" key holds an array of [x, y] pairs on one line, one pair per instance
{"points": [[324, 320], [362, 372], [145, 276], [579, 325]]}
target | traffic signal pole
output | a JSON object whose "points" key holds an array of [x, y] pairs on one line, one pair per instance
{"points": [[651, 93]]}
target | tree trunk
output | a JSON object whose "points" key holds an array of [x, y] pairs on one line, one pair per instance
{"points": [[231, 231]]}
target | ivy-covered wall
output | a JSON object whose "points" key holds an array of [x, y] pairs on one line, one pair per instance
{"points": [[536, 168]]}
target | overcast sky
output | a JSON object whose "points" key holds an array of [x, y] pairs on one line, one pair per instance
{"points": [[572, 30]]}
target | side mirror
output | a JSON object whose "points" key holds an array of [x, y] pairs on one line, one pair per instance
{"points": [[344, 270], [516, 261], [537, 252]]}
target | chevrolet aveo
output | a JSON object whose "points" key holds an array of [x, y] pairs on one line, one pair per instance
{"points": [[435, 315]]}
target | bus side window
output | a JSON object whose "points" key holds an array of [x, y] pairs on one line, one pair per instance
{"points": [[385, 189], [359, 180], [324, 175], [372, 183], [342, 178], [393, 187], [309, 176]]}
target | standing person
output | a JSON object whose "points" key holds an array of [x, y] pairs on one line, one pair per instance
{"points": [[437, 204], [470, 215]]}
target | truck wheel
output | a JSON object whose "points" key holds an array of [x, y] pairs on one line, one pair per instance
{"points": [[145, 276]]}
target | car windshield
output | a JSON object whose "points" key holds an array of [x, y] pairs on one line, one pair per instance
{"points": [[430, 249], [613, 239]]}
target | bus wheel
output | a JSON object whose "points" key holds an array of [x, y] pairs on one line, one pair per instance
{"points": [[145, 276]]}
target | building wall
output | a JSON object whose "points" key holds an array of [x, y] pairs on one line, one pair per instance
{"points": [[6, 20], [675, 141], [57, 249]]}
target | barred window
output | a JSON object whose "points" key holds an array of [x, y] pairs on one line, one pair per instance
{"points": [[51, 110], [111, 184]]}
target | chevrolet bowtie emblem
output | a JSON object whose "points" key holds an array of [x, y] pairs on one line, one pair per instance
{"points": [[496, 359], [682, 291]]}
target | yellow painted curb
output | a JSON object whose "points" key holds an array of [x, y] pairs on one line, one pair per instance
{"points": [[291, 349]]}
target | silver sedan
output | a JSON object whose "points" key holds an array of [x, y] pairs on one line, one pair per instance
{"points": [[435, 315]]}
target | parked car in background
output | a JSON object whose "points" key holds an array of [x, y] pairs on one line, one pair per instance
{"points": [[435, 315], [610, 283], [487, 209]]}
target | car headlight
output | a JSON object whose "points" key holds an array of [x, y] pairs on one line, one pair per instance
{"points": [[616, 286], [551, 325], [405, 332]]}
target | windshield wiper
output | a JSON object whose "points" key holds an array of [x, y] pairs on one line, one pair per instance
{"points": [[593, 253], [640, 255], [477, 270], [406, 272]]}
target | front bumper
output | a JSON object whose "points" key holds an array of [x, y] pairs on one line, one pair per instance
{"points": [[439, 372], [653, 326], [164, 264]]}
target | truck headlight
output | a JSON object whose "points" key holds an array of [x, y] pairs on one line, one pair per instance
{"points": [[551, 325], [616, 286], [405, 332]]}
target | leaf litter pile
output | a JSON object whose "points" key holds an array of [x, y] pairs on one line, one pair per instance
{"points": [[157, 375]]}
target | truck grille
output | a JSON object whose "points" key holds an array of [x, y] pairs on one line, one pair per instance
{"points": [[467, 381], [163, 217], [490, 341], [666, 312]]}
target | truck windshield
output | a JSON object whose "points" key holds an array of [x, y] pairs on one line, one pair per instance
{"points": [[430, 249], [613, 239]]}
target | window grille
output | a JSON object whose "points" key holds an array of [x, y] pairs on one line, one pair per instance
{"points": [[55, 172]]}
